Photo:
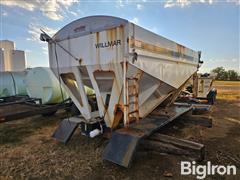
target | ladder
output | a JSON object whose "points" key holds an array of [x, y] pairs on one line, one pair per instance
{"points": [[132, 87]]}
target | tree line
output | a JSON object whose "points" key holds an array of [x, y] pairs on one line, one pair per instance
{"points": [[226, 75]]}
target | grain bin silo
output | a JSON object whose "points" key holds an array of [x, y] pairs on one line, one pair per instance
{"points": [[11, 59]]}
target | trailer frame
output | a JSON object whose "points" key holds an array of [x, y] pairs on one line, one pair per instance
{"points": [[24, 106]]}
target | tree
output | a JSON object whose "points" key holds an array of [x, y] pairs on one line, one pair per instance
{"points": [[232, 75], [221, 73]]}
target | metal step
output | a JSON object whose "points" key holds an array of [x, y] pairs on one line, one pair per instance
{"points": [[132, 86], [133, 95], [133, 102], [132, 78], [121, 148], [65, 130], [133, 112]]}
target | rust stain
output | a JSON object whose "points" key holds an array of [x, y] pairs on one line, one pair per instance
{"points": [[121, 31], [97, 37], [180, 49], [134, 43], [97, 49], [116, 37], [118, 116], [118, 110], [140, 74], [102, 71], [116, 55], [111, 36]]}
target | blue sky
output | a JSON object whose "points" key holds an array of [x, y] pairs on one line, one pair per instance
{"points": [[207, 25]]}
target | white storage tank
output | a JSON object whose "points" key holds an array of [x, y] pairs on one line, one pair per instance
{"points": [[42, 83], [12, 83]]}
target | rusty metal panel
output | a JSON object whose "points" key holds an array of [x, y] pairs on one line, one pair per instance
{"points": [[123, 144], [162, 58]]}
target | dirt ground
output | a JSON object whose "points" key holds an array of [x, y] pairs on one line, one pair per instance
{"points": [[27, 150]]}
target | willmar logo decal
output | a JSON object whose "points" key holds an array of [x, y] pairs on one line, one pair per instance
{"points": [[108, 44]]}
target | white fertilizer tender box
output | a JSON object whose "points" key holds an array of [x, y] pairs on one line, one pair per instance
{"points": [[131, 69]]}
